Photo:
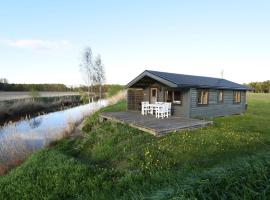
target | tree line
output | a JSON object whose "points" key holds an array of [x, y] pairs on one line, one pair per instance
{"points": [[93, 73], [37, 87], [9, 87], [260, 87]]}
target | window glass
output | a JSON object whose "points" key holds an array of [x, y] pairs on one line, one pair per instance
{"points": [[154, 93], [202, 97], [237, 97], [177, 97], [173, 96], [168, 96]]}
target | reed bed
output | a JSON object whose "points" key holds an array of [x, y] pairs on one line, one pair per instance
{"points": [[19, 109], [15, 148]]}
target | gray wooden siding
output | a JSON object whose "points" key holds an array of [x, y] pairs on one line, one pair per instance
{"points": [[146, 93], [161, 95], [134, 99], [160, 92], [215, 109], [183, 109], [177, 110]]}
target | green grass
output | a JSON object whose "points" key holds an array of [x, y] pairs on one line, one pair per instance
{"points": [[229, 160], [113, 89]]}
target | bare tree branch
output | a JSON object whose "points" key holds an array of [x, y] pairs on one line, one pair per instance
{"points": [[88, 71], [100, 73]]}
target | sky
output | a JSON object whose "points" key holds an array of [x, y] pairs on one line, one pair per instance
{"points": [[42, 41]]}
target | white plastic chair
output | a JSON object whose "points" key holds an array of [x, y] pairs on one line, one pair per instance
{"points": [[168, 109], [151, 109], [145, 107], [161, 111]]}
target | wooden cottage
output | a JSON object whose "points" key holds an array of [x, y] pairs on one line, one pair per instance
{"points": [[191, 96]]}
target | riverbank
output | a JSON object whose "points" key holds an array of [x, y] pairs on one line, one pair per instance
{"points": [[18, 140], [13, 110], [228, 160], [15, 95]]}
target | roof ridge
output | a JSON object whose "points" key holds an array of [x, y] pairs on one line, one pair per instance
{"points": [[185, 74], [150, 71]]}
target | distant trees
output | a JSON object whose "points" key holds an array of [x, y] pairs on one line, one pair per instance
{"points": [[37, 87], [92, 71], [263, 87], [96, 89], [34, 94], [3, 80], [3, 83]]}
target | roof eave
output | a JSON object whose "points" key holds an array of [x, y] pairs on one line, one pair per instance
{"points": [[214, 87], [153, 76]]}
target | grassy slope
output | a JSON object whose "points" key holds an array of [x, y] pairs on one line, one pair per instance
{"points": [[113, 89], [113, 161]]}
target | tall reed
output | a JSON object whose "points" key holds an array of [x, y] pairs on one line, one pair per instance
{"points": [[15, 148]]}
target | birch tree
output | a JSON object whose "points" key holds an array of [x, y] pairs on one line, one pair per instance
{"points": [[99, 74], [88, 71]]}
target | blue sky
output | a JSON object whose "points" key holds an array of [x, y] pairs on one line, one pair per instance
{"points": [[42, 41]]}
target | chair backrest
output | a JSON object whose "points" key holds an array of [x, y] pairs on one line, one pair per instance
{"points": [[161, 107], [145, 102], [159, 103], [169, 105]]}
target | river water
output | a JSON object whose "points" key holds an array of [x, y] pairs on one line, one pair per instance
{"points": [[34, 133]]}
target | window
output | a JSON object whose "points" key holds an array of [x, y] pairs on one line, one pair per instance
{"points": [[173, 96], [168, 96], [177, 97], [236, 96], [220, 96], [154, 92], [202, 98]]}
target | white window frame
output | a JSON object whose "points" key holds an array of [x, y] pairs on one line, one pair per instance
{"points": [[220, 92], [173, 100]]}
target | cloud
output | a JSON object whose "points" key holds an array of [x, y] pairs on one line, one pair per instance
{"points": [[39, 45]]}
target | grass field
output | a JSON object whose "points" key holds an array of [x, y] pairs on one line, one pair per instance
{"points": [[229, 160]]}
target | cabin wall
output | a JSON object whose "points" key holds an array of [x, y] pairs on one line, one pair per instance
{"points": [[146, 94], [189, 107], [136, 95], [134, 99], [160, 92], [183, 109], [215, 109]]}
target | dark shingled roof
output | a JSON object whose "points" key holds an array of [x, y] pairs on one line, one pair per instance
{"points": [[182, 80]]}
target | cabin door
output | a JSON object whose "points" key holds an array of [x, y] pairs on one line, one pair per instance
{"points": [[153, 95]]}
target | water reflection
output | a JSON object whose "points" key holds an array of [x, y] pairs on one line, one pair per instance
{"points": [[34, 133], [34, 123]]}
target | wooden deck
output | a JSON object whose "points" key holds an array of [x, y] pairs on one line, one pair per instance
{"points": [[152, 125]]}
